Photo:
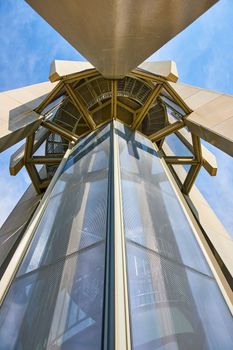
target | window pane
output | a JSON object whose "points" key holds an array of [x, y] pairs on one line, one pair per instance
{"points": [[174, 307], [153, 216], [56, 299], [56, 307], [76, 214], [175, 302]]}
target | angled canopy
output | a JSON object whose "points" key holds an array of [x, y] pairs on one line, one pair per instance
{"points": [[59, 69], [212, 116], [116, 36], [17, 116]]}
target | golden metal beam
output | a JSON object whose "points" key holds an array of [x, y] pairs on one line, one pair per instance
{"points": [[148, 104], [44, 160], [44, 184], [123, 105], [197, 147], [34, 176], [208, 159], [29, 146], [49, 97], [78, 76], [194, 170], [167, 130], [177, 98], [17, 158], [190, 178], [59, 130], [114, 99], [31, 169], [103, 105], [182, 160], [87, 116], [148, 76]]}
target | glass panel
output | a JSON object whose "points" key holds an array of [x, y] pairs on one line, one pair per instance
{"points": [[153, 216], [56, 307], [174, 307], [172, 105], [177, 147], [76, 214], [175, 302], [56, 299]]}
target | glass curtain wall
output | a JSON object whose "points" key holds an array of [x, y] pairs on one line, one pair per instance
{"points": [[57, 298], [174, 300]]}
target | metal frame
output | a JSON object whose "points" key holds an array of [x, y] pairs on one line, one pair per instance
{"points": [[155, 83], [148, 104], [80, 107]]}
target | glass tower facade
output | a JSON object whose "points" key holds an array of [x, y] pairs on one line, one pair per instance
{"points": [[63, 295]]}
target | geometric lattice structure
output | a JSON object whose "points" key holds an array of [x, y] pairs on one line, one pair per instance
{"points": [[147, 102], [112, 246]]}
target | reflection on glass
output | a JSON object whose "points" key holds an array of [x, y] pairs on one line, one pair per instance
{"points": [[57, 307], [174, 307], [56, 299], [76, 214], [169, 280], [153, 216]]}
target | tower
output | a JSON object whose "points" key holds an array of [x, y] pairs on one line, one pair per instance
{"points": [[116, 249]]}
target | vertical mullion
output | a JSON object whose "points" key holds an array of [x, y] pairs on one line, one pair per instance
{"points": [[122, 324], [108, 339]]}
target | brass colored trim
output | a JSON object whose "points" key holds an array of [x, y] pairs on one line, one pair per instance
{"points": [[80, 107], [75, 77], [45, 160], [31, 169], [180, 160], [44, 184], [207, 161], [34, 176], [148, 104], [177, 98], [194, 170], [167, 130], [190, 178], [17, 158], [104, 104], [49, 98], [123, 105], [197, 147], [148, 76]]}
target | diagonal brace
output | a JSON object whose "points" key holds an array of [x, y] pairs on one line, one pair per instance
{"points": [[148, 104], [87, 116]]}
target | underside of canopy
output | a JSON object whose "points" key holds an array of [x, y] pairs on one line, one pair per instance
{"points": [[116, 36]]}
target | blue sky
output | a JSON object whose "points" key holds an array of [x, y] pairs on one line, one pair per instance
{"points": [[203, 53]]}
